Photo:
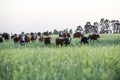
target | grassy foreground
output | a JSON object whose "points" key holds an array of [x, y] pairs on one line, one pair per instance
{"points": [[35, 61]]}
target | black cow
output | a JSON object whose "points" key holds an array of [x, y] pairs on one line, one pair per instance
{"points": [[1, 38], [6, 36], [67, 41], [84, 40]]}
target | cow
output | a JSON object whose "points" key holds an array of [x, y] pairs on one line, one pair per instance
{"points": [[46, 33], [22, 39], [6, 36], [1, 38], [33, 37], [12, 36], [47, 40], [64, 35], [67, 41], [41, 38], [16, 38], [77, 35], [94, 37], [59, 41], [27, 39], [63, 41], [84, 40]]}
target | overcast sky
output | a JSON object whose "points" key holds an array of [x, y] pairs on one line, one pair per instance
{"points": [[43, 15]]}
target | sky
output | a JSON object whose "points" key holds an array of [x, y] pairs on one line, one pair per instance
{"points": [[42, 15]]}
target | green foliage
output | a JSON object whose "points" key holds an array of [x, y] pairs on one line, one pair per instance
{"points": [[35, 61]]}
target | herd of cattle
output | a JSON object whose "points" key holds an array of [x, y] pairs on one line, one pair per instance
{"points": [[62, 39]]}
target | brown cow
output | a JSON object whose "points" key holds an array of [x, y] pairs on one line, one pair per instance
{"points": [[93, 37], [61, 41], [47, 40], [77, 35], [27, 39], [63, 38], [33, 37], [16, 38]]}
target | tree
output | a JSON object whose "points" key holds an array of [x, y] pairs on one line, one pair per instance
{"points": [[79, 29], [55, 31], [95, 27], [116, 26], [104, 23], [87, 27]]}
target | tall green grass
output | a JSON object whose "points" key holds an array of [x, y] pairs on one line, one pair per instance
{"points": [[35, 61]]}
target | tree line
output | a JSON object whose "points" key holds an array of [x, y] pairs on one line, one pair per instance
{"points": [[105, 26]]}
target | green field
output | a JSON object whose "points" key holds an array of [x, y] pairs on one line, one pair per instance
{"points": [[35, 61]]}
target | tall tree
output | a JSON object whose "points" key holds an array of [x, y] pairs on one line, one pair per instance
{"points": [[79, 29], [55, 31], [95, 27], [87, 27], [116, 26], [104, 23]]}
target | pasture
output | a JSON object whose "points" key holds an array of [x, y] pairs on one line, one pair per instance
{"points": [[35, 61]]}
